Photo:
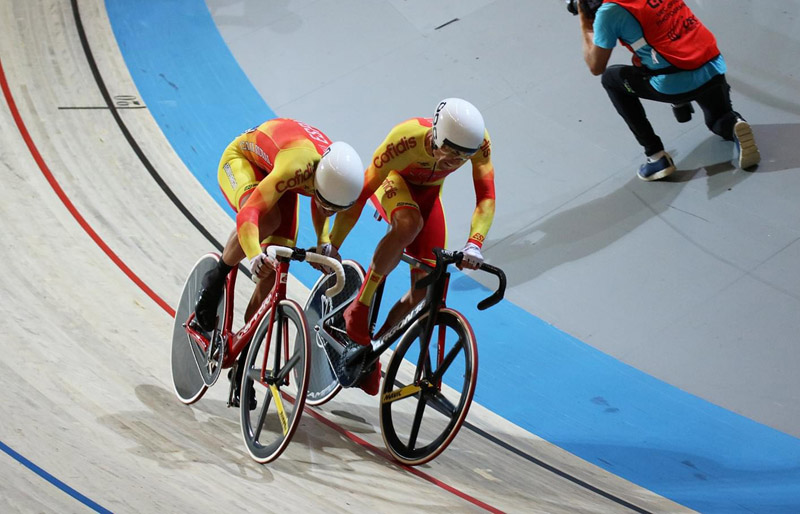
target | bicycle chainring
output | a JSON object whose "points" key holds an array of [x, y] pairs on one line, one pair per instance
{"points": [[214, 357], [349, 374]]}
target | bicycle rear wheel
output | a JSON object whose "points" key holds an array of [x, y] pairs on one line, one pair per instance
{"points": [[284, 360], [193, 370], [419, 420], [323, 384]]}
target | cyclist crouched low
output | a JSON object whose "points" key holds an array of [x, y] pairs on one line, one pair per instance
{"points": [[261, 173], [405, 176]]}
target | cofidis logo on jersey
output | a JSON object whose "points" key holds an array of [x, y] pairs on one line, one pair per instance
{"points": [[300, 176], [393, 150]]}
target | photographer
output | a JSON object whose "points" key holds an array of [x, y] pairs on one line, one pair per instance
{"points": [[675, 60]]}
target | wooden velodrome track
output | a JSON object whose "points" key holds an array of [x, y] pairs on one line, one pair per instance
{"points": [[96, 249], [101, 222]]}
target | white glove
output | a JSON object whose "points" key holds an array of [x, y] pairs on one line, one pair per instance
{"points": [[257, 264], [472, 256], [328, 250]]}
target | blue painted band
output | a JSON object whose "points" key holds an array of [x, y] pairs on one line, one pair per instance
{"points": [[53, 480]]}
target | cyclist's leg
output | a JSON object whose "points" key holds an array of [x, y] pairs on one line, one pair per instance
{"points": [[406, 222], [281, 225], [194, 369], [404, 305], [432, 235], [237, 178]]}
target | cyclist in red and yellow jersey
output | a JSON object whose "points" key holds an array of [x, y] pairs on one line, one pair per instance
{"points": [[406, 176], [261, 173]]}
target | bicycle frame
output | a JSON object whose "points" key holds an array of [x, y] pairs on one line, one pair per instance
{"points": [[434, 300], [235, 342]]}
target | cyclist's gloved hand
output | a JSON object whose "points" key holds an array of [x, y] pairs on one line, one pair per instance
{"points": [[473, 257], [259, 265], [328, 250]]}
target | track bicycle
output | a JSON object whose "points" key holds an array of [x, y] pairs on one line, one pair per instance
{"points": [[277, 361], [431, 377]]}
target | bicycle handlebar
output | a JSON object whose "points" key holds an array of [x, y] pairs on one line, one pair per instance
{"points": [[501, 287], [445, 257], [299, 254]]}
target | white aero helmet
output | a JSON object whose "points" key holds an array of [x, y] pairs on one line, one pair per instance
{"points": [[339, 177], [458, 124]]}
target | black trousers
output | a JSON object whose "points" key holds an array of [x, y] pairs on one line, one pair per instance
{"points": [[627, 85]]}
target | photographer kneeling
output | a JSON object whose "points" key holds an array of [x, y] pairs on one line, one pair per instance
{"points": [[675, 60]]}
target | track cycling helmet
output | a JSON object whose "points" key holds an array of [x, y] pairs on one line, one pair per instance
{"points": [[339, 177], [458, 124]]}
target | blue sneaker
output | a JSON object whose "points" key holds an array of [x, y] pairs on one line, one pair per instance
{"points": [[657, 169], [745, 144]]}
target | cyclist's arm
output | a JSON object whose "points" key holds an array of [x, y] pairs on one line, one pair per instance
{"points": [[346, 220], [483, 180], [321, 224], [385, 159], [263, 198]]}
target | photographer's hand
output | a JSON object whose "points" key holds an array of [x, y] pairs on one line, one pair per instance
{"points": [[587, 24]]}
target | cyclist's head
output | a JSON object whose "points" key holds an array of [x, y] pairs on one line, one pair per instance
{"points": [[339, 177], [459, 125]]}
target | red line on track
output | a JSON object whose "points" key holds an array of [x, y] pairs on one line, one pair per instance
{"points": [[169, 310], [66, 201]]}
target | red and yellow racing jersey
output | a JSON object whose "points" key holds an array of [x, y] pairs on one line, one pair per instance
{"points": [[404, 151], [288, 152]]}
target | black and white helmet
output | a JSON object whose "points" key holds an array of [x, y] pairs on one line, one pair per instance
{"points": [[458, 124]]}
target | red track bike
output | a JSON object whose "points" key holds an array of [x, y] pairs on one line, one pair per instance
{"points": [[278, 360]]}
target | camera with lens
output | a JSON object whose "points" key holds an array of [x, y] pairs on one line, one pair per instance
{"points": [[683, 112], [589, 7]]}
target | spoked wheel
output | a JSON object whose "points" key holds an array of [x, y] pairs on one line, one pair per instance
{"points": [[323, 384], [420, 419], [194, 369], [277, 377]]}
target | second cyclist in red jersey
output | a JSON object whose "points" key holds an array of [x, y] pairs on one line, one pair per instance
{"points": [[405, 176]]}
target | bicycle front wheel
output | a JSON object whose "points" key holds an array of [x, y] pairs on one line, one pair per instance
{"points": [[276, 376], [419, 418]]}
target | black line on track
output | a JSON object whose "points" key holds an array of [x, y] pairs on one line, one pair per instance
{"points": [[563, 474], [171, 195], [99, 108], [131, 141]]}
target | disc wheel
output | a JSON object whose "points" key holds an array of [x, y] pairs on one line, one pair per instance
{"points": [[323, 384], [420, 418], [276, 375], [193, 369]]}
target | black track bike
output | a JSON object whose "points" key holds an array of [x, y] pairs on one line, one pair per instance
{"points": [[431, 376]]}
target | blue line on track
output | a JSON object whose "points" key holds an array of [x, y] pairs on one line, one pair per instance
{"points": [[53, 480]]}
